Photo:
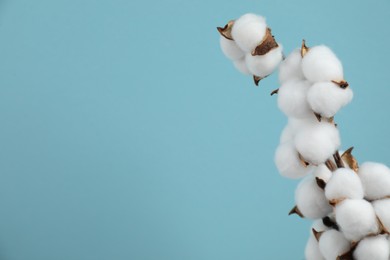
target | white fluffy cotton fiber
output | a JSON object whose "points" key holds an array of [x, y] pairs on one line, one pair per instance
{"points": [[310, 199], [321, 64], [372, 248], [288, 163], [231, 49], [333, 244], [264, 65], [344, 184], [290, 68], [356, 218], [376, 180], [318, 142], [292, 99], [248, 31], [326, 98]]}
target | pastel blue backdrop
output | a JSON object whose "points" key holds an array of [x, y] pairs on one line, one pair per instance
{"points": [[126, 134]]}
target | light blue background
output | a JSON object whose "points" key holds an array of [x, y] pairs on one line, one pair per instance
{"points": [[126, 134]]}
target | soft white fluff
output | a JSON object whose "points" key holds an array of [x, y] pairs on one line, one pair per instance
{"points": [[312, 250], [344, 184], [310, 199], [326, 98], [376, 180], [333, 244], [321, 64], [356, 218], [316, 143], [287, 134], [323, 173], [372, 248], [294, 125], [241, 66], [248, 31], [264, 65], [292, 99], [382, 210], [230, 49], [288, 163], [291, 67]]}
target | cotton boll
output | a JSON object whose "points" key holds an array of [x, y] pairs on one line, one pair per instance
{"points": [[356, 218], [287, 134], [344, 184], [288, 162], [312, 250], [230, 49], [316, 143], [248, 31], [241, 66], [321, 64], [292, 98], [310, 199], [264, 65], [382, 210], [290, 68], [372, 248], [376, 180], [322, 172], [333, 244], [326, 98]]}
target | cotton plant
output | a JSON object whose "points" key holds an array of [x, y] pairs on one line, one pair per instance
{"points": [[348, 203]]}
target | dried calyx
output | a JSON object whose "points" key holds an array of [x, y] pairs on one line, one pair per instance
{"points": [[226, 31], [267, 44], [295, 210], [350, 160]]}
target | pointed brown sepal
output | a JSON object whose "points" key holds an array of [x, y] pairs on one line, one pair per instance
{"points": [[274, 92], [303, 161], [317, 234], [257, 79], [330, 164], [341, 83], [295, 210], [267, 44], [338, 160], [318, 116], [226, 31], [321, 183], [382, 227], [350, 159], [304, 48]]}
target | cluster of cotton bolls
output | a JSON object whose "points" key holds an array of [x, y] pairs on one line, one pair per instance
{"points": [[248, 42], [349, 204]]}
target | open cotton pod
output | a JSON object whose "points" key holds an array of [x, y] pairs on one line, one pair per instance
{"points": [[332, 244], [318, 142], [321, 64], [290, 68], [310, 199], [356, 219], [326, 98], [249, 31], [382, 211], [288, 162], [372, 248], [292, 99], [231, 49], [263, 65], [344, 184], [376, 180], [312, 250], [294, 125], [241, 66]]}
